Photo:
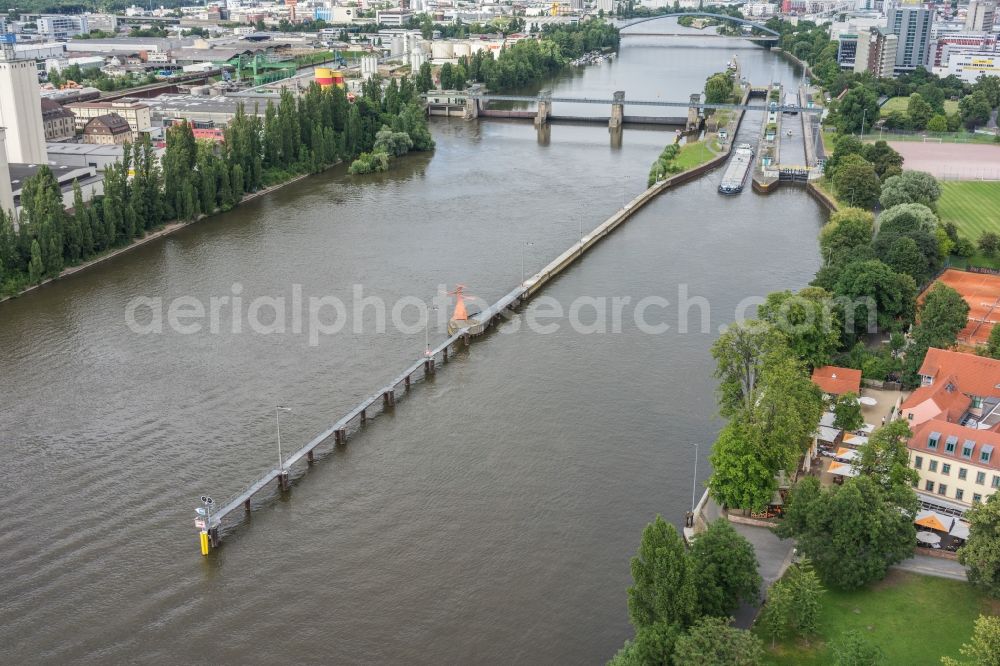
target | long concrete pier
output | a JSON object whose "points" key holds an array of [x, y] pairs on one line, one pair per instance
{"points": [[384, 399]]}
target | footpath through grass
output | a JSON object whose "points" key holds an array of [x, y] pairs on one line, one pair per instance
{"points": [[913, 619], [974, 207]]}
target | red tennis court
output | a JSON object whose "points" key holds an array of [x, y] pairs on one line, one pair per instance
{"points": [[982, 292]]}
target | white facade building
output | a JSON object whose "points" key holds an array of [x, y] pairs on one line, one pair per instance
{"points": [[61, 26], [970, 66], [20, 110], [980, 16]]}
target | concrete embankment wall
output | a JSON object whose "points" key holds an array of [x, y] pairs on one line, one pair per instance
{"points": [[821, 197]]}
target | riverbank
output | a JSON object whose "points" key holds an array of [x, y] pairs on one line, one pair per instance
{"points": [[164, 231]]}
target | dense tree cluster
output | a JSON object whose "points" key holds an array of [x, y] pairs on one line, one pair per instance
{"points": [[680, 600], [857, 169], [295, 136], [531, 60], [793, 604], [852, 533], [665, 165], [773, 409]]}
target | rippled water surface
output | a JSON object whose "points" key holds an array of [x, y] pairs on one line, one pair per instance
{"points": [[490, 518]]}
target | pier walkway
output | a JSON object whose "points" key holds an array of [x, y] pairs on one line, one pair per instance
{"points": [[384, 399]]}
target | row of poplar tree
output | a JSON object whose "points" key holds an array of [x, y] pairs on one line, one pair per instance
{"points": [[194, 178]]}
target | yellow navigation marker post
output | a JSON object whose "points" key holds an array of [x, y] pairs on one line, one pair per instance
{"points": [[204, 542]]}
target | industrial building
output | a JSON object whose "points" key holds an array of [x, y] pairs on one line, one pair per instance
{"points": [[91, 183], [20, 111]]}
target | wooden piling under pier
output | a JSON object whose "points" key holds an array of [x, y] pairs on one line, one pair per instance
{"points": [[478, 325]]}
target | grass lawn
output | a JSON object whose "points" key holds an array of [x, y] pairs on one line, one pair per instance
{"points": [[913, 619], [974, 206], [900, 103], [693, 154]]}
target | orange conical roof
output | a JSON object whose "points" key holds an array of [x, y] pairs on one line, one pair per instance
{"points": [[459, 313]]}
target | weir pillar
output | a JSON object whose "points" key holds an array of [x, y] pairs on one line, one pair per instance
{"points": [[544, 108], [472, 102], [617, 109], [694, 118]]}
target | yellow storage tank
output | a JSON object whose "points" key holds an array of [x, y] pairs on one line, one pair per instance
{"points": [[327, 78]]}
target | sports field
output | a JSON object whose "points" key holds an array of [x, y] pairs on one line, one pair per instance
{"points": [[974, 207], [951, 161]]}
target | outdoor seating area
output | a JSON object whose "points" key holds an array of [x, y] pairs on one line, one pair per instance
{"points": [[936, 531]]}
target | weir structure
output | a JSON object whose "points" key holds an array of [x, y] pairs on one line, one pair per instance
{"points": [[211, 521]]}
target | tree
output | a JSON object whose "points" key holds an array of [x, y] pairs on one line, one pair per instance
{"points": [[844, 145], [988, 243], [876, 293], [981, 553], [445, 76], [712, 642], [652, 646], [852, 649], [663, 582], [992, 348], [741, 477], [859, 107], [808, 320], [847, 412], [36, 270], [904, 256], [975, 109], [938, 123], [793, 603], [941, 316], [910, 187], [852, 533], [919, 223], [990, 87], [741, 354], [857, 182], [847, 230], [885, 459], [718, 89], [984, 650], [919, 111], [887, 162], [725, 569], [392, 143]]}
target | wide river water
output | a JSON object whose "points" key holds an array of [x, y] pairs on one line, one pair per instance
{"points": [[491, 517]]}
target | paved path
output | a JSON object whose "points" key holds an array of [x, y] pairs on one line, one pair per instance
{"points": [[773, 557], [933, 566]]}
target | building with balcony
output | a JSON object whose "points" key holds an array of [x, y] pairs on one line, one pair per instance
{"points": [[911, 24]]}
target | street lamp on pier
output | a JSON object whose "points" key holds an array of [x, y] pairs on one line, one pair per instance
{"points": [[527, 244], [277, 421]]}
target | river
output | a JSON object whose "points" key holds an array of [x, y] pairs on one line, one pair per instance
{"points": [[491, 517]]}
